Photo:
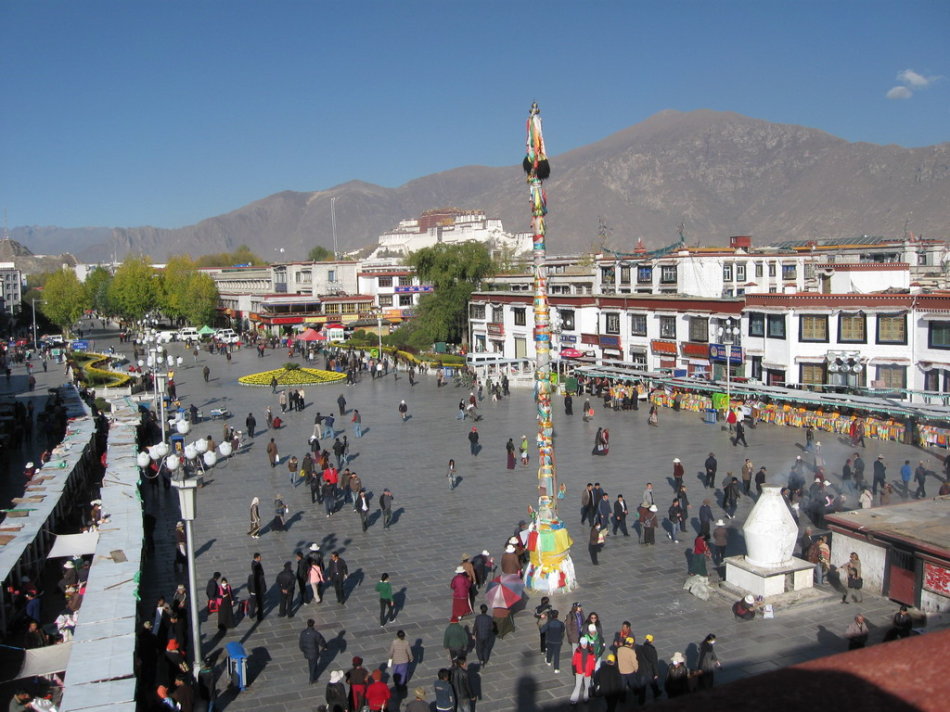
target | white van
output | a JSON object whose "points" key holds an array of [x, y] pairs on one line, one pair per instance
{"points": [[189, 333]]}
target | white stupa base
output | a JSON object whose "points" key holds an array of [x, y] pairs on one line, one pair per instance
{"points": [[795, 575]]}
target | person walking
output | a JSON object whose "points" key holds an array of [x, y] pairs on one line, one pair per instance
{"points": [[553, 631], [400, 657], [880, 474], [920, 475], [362, 508], [285, 584], [303, 577], [386, 505], [747, 468], [857, 633], [292, 467], [583, 663], [315, 575], [257, 588], [620, 515], [311, 644], [357, 421], [473, 441], [341, 402], [648, 522], [720, 539], [510, 452], [855, 581], [444, 694], [462, 685], [337, 574], [594, 543], [452, 475], [403, 410], [255, 513], [711, 465], [387, 607], [225, 605], [708, 662], [483, 630], [740, 435], [251, 424], [272, 454]]}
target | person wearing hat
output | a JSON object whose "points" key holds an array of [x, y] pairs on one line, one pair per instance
{"points": [[510, 563], [419, 704], [760, 480], [336, 693], [678, 472], [608, 683], [649, 669], [358, 678], [711, 465], [460, 585], [720, 539], [708, 662], [455, 639], [648, 521], [744, 608], [311, 644], [583, 663], [677, 676], [627, 663], [880, 474], [377, 694]]}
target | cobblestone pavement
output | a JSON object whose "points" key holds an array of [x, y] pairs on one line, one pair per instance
{"points": [[434, 526]]}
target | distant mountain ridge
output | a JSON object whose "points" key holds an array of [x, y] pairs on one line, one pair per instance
{"points": [[721, 173]]}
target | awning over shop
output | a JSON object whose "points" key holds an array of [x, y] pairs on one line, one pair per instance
{"points": [[74, 545], [47, 660]]}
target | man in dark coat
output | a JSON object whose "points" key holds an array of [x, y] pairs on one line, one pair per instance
{"points": [[483, 628], [211, 588], [303, 574], [711, 466], [251, 424], [336, 575], [880, 474], [608, 684], [553, 632], [648, 663], [311, 645], [285, 583], [386, 504], [604, 511], [620, 515], [257, 588]]}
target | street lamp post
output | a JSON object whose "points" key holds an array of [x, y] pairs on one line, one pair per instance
{"points": [[41, 301], [187, 488], [728, 331]]}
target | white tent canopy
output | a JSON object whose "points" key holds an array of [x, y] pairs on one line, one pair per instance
{"points": [[73, 545], [45, 661]]}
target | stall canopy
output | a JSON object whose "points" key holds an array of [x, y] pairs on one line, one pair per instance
{"points": [[74, 545], [45, 661], [312, 335], [205, 330]]}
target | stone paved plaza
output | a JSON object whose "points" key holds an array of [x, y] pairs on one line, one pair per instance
{"points": [[434, 526]]}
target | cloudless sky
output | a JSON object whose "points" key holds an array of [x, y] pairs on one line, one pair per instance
{"points": [[147, 112]]}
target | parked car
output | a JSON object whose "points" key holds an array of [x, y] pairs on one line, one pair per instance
{"points": [[189, 333], [228, 336], [166, 337]]}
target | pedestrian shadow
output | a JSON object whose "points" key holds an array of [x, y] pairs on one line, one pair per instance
{"points": [[399, 601], [418, 656], [827, 639], [692, 656], [672, 483], [352, 456], [397, 513], [336, 646], [290, 522], [364, 431], [373, 518], [353, 581], [407, 418], [257, 660], [204, 547]]}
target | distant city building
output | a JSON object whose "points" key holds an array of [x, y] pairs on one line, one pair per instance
{"points": [[450, 225], [11, 287]]}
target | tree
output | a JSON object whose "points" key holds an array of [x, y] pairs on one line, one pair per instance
{"points": [[134, 290], [97, 289], [173, 299], [201, 299], [455, 271], [65, 299], [241, 256], [320, 254]]}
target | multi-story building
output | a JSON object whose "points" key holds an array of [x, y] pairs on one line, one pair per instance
{"points": [[11, 287]]}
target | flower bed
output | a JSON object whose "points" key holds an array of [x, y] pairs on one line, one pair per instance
{"points": [[93, 376], [292, 377]]}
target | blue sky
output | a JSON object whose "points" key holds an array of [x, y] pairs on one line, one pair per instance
{"points": [[127, 113]]}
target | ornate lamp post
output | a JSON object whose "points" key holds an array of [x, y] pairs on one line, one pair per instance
{"points": [[728, 334], [551, 569], [187, 488]]}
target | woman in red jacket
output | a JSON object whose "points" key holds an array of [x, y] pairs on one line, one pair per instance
{"points": [[583, 663]]}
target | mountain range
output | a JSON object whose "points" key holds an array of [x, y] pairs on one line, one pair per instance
{"points": [[718, 173]]}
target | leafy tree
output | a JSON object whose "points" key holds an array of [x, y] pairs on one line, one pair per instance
{"points": [[97, 289], [320, 254], [455, 271], [173, 298], [65, 299], [201, 299], [135, 289]]}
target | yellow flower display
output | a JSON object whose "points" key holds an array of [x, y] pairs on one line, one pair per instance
{"points": [[294, 377]]}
